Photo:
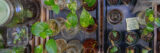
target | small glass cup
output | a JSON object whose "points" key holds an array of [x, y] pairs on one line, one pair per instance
{"points": [[17, 36]]}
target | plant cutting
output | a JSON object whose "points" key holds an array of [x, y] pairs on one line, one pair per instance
{"points": [[115, 36], [87, 22], [53, 5], [41, 29], [50, 46], [113, 49], [131, 38], [149, 27], [17, 36], [90, 46], [90, 4]]}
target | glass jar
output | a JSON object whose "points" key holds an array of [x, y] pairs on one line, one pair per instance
{"points": [[17, 36], [15, 12]]}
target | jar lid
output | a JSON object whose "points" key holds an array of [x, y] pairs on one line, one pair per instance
{"points": [[5, 11]]}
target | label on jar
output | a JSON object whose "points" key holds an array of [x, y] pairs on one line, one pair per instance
{"points": [[132, 24], [4, 11]]}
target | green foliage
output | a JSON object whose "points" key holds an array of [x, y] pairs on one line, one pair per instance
{"points": [[114, 49], [86, 19], [72, 20], [149, 11], [145, 51], [38, 49], [114, 33], [130, 51], [90, 3], [150, 27], [54, 6], [157, 22], [130, 38], [41, 29], [51, 46], [151, 18], [72, 6], [18, 50]]}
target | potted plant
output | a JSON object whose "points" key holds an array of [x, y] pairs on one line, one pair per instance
{"points": [[17, 36], [115, 16], [147, 31], [115, 36], [113, 49], [113, 2], [90, 46], [90, 4], [131, 38], [87, 22]]}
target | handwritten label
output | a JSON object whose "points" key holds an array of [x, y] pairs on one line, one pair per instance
{"points": [[132, 23]]}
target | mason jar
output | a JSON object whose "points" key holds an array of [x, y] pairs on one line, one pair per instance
{"points": [[13, 12]]}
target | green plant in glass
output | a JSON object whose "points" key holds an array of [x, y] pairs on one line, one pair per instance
{"points": [[20, 17], [41, 29], [90, 3], [86, 19], [54, 6]]}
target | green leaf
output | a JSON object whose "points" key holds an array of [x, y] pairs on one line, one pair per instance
{"points": [[145, 51], [151, 18], [157, 21], [49, 2], [130, 38], [145, 31], [115, 34], [90, 2], [130, 51], [56, 8], [72, 6], [150, 27], [72, 20], [149, 11], [41, 29], [38, 49], [86, 19], [51, 46], [114, 49]]}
